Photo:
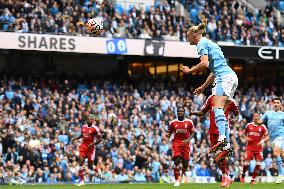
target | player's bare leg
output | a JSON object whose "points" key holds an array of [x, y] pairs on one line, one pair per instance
{"points": [[223, 167], [184, 168], [177, 161], [245, 168], [277, 153], [255, 172], [81, 171]]}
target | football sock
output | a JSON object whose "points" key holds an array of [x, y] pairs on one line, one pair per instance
{"points": [[82, 173], [183, 171], [223, 167], [227, 132], [176, 173], [255, 172], [221, 121], [245, 168], [279, 165]]}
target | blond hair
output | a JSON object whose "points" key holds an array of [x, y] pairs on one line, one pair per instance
{"points": [[201, 28]]}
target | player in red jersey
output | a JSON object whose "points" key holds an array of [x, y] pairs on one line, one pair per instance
{"points": [[256, 136], [230, 106], [87, 148], [183, 130]]}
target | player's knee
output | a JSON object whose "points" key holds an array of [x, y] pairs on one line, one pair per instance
{"points": [[177, 160]]}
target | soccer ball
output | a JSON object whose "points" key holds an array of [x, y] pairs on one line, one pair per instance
{"points": [[95, 25]]}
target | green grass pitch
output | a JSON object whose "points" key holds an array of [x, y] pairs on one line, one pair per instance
{"points": [[148, 186]]}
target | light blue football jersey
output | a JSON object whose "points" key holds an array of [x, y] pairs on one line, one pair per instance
{"points": [[275, 124], [217, 62]]}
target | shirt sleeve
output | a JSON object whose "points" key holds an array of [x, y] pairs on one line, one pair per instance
{"points": [[265, 132], [191, 128], [97, 130], [202, 48]]}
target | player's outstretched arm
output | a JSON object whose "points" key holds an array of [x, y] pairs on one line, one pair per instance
{"points": [[203, 64], [197, 113], [77, 138], [208, 82]]}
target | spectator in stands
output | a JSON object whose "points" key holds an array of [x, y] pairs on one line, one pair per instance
{"points": [[203, 170], [250, 27], [134, 122]]}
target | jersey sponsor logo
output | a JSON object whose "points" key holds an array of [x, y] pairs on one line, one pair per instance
{"points": [[254, 133], [181, 131]]}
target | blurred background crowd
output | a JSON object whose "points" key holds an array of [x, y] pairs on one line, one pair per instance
{"points": [[230, 21], [39, 117]]}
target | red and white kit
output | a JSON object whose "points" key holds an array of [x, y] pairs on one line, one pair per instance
{"points": [[255, 134], [181, 131], [213, 129], [89, 135]]}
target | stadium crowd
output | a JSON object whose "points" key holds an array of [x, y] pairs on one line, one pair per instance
{"points": [[228, 20], [39, 117]]}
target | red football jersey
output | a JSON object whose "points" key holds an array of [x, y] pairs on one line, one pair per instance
{"points": [[208, 106], [89, 134], [181, 130], [255, 133]]}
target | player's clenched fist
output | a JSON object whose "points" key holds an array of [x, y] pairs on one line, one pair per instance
{"points": [[185, 69]]}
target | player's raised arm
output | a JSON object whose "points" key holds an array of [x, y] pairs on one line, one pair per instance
{"points": [[203, 64], [208, 82], [205, 108]]}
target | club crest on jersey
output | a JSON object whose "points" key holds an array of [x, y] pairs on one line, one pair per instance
{"points": [[259, 129], [185, 125]]}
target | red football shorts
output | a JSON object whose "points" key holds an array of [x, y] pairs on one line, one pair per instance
{"points": [[213, 139], [181, 150], [257, 155], [84, 152]]}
